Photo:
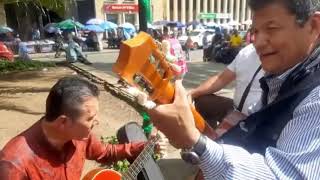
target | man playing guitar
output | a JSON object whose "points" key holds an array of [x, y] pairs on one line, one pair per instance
{"points": [[57, 145]]}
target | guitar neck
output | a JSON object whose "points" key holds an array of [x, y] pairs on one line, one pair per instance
{"points": [[140, 161]]}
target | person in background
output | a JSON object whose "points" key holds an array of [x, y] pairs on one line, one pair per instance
{"points": [[177, 51], [249, 37], [23, 51], [226, 35], [171, 59], [205, 46], [241, 71], [188, 46], [35, 34], [165, 34], [58, 44], [74, 52], [235, 40]]}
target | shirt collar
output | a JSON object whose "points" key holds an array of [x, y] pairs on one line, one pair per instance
{"points": [[282, 77], [41, 141]]}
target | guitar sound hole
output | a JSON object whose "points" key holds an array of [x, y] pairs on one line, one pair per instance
{"points": [[157, 65], [143, 84]]}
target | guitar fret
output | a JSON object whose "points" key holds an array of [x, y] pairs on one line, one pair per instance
{"points": [[143, 157], [131, 177], [134, 170]]}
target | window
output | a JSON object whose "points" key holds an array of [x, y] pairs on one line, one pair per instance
{"points": [[128, 2], [130, 18], [112, 18]]}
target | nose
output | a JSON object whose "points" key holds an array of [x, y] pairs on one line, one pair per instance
{"points": [[260, 41]]}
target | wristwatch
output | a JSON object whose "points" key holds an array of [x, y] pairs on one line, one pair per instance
{"points": [[193, 154]]}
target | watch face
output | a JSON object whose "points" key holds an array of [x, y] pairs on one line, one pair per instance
{"points": [[190, 157]]}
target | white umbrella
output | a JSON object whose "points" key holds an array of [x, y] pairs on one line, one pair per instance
{"points": [[233, 23], [95, 21], [212, 24], [150, 26], [247, 22], [226, 26]]}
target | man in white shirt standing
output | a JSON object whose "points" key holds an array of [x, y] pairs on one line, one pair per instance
{"points": [[213, 107]]}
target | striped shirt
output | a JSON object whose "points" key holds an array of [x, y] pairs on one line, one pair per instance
{"points": [[296, 155]]}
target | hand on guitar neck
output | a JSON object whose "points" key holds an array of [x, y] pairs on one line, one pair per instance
{"points": [[134, 169]]}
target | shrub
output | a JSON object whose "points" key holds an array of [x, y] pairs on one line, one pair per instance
{"points": [[19, 65]]}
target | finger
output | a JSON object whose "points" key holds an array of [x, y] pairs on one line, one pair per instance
{"points": [[180, 93]]}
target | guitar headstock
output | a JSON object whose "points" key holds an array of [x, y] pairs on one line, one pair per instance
{"points": [[142, 64]]}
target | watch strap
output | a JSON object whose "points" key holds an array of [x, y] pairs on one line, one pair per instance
{"points": [[200, 146]]}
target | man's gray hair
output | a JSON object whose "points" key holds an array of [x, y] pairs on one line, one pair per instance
{"points": [[302, 9]]}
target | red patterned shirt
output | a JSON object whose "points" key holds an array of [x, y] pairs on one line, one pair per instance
{"points": [[31, 156]]}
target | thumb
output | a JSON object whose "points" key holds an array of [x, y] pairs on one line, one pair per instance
{"points": [[180, 93]]}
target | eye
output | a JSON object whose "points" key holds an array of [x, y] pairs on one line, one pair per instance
{"points": [[91, 118]]}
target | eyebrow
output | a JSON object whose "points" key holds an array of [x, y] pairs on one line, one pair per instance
{"points": [[270, 22]]}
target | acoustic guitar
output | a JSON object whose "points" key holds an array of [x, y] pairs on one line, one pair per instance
{"points": [[132, 172], [141, 64]]}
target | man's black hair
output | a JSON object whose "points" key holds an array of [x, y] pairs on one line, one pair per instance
{"points": [[302, 9], [67, 96]]}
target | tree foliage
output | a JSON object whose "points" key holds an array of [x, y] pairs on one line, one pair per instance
{"points": [[58, 6]]}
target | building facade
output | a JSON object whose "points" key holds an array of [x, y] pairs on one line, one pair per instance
{"points": [[218, 11], [185, 11], [118, 11]]}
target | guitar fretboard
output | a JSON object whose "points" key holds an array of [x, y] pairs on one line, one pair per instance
{"points": [[140, 161]]}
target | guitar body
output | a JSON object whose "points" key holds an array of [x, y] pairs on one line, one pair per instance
{"points": [[102, 174], [131, 132]]}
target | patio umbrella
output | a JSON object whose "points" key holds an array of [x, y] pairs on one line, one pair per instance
{"points": [[51, 28], [128, 26], [175, 24], [5, 29], [95, 21], [108, 25], [93, 27], [69, 24], [233, 23], [226, 26], [193, 23], [212, 24]]}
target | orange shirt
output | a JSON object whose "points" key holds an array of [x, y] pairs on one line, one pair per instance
{"points": [[30, 156]]}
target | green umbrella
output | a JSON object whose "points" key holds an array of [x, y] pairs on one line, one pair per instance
{"points": [[69, 24]]}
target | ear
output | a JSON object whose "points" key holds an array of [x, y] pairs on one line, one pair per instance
{"points": [[62, 121], [315, 25]]}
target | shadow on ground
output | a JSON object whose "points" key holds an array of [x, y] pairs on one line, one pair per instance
{"points": [[176, 169], [12, 107], [17, 89]]}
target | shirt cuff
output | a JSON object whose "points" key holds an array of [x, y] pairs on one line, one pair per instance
{"points": [[212, 161]]}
